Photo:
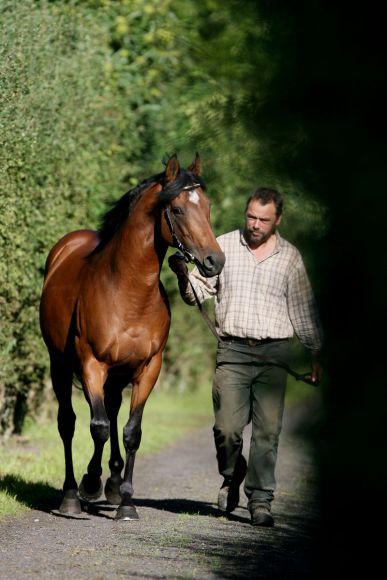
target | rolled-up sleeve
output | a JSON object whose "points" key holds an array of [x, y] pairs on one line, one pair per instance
{"points": [[303, 310]]}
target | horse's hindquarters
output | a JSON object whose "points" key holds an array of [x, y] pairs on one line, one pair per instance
{"points": [[62, 285]]}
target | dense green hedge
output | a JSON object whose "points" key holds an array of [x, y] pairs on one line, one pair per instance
{"points": [[54, 141], [74, 132]]}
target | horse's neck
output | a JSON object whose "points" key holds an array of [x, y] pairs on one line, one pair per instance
{"points": [[137, 251]]}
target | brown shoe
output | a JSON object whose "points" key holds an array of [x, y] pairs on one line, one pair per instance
{"points": [[261, 516], [228, 497]]}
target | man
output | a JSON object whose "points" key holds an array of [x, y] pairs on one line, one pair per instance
{"points": [[262, 298]]}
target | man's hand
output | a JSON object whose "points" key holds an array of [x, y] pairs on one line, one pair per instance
{"points": [[317, 372], [178, 266], [315, 376]]}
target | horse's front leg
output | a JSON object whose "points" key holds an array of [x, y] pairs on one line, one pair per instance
{"points": [[141, 389], [113, 400], [94, 376]]}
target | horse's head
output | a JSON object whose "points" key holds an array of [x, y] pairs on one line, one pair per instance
{"points": [[186, 217]]}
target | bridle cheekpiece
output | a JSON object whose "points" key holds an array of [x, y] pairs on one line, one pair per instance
{"points": [[186, 253]]}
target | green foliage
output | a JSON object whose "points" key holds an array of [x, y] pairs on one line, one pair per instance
{"points": [[49, 101]]}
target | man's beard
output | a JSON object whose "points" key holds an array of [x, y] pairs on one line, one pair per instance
{"points": [[260, 238]]}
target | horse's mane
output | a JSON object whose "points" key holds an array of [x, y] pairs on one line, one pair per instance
{"points": [[119, 210], [115, 217]]}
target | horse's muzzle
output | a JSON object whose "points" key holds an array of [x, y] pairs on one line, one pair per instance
{"points": [[212, 264]]}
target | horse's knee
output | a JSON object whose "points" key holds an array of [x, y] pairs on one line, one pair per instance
{"points": [[100, 429], [132, 437], [66, 423]]}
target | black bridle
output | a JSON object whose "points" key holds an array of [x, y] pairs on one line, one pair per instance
{"points": [[188, 257]]}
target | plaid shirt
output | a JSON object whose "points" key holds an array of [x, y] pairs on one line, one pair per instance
{"points": [[268, 299]]}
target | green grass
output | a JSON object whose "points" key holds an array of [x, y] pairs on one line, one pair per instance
{"points": [[32, 466]]}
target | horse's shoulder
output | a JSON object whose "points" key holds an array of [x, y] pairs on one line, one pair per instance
{"points": [[82, 242]]}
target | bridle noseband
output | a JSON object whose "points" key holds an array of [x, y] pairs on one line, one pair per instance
{"points": [[186, 253]]}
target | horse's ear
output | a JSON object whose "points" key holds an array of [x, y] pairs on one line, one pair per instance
{"points": [[196, 166], [172, 169]]}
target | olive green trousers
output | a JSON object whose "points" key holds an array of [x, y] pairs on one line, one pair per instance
{"points": [[246, 389]]}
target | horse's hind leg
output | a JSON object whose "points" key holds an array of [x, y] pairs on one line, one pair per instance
{"points": [[61, 376], [113, 400], [141, 389], [93, 379]]}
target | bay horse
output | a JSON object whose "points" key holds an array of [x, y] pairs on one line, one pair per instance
{"points": [[105, 318]]}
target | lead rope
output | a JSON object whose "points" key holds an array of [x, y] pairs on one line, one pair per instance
{"points": [[268, 360]]}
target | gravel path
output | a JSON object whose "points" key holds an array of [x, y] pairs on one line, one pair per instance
{"points": [[180, 533]]}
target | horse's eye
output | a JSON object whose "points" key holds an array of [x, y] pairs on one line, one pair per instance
{"points": [[177, 211]]}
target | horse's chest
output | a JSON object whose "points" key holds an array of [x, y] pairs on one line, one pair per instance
{"points": [[136, 347], [130, 340]]}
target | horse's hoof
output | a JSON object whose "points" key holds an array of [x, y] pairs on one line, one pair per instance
{"points": [[90, 492], [126, 512], [70, 504], [112, 491]]}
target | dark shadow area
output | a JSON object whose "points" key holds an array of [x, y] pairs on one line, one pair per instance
{"points": [[37, 496], [177, 506], [187, 506], [285, 551], [43, 497], [100, 508], [58, 514], [323, 121], [267, 554]]}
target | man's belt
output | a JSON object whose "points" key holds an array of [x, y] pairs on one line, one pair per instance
{"points": [[251, 341]]}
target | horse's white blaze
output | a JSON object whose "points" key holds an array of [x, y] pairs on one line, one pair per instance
{"points": [[193, 196]]}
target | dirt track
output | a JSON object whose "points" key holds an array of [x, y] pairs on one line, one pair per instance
{"points": [[180, 533]]}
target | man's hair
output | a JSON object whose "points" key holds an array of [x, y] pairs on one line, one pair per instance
{"points": [[265, 195]]}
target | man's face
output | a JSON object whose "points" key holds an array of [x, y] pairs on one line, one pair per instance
{"points": [[260, 222]]}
